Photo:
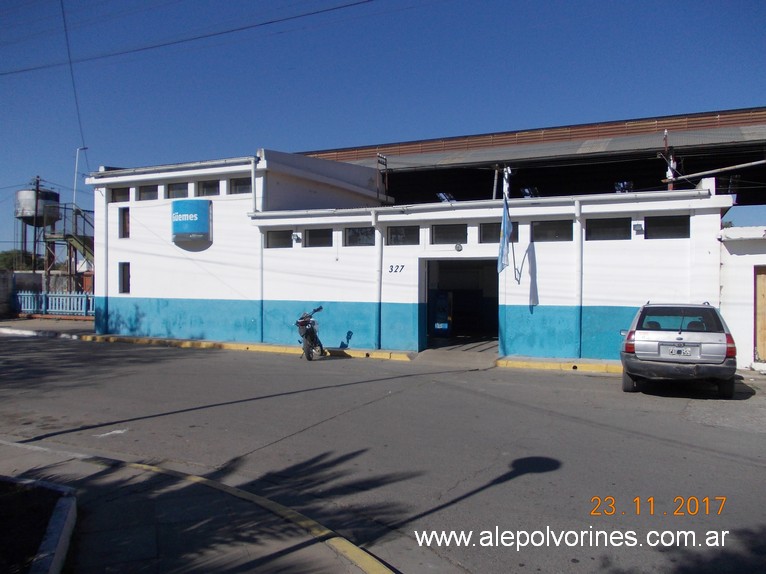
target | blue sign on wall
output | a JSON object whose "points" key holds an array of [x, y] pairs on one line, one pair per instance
{"points": [[191, 220]]}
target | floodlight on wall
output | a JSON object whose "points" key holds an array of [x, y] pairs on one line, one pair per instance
{"points": [[529, 192], [623, 186], [638, 228], [297, 238]]}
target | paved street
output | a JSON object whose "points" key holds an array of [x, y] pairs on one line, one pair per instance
{"points": [[383, 451]]}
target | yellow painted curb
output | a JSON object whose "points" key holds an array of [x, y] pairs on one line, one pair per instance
{"points": [[586, 367], [365, 561], [512, 363], [258, 347]]}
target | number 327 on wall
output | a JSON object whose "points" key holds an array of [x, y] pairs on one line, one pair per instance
{"points": [[395, 268]]}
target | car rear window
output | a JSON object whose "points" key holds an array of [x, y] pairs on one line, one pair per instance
{"points": [[680, 319]]}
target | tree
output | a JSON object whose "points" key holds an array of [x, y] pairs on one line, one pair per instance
{"points": [[16, 260]]}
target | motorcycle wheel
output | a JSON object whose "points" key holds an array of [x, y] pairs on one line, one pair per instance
{"points": [[308, 349]]}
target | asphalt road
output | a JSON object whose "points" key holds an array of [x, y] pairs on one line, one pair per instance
{"points": [[548, 471]]}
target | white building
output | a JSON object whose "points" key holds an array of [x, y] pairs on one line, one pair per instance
{"points": [[236, 250], [743, 292]]}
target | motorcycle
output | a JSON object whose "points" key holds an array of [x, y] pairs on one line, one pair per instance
{"points": [[307, 329]]}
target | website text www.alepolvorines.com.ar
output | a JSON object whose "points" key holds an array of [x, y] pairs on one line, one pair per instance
{"points": [[551, 538]]}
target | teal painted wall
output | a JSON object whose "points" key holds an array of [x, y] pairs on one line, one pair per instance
{"points": [[554, 332], [601, 327], [538, 331], [341, 325], [199, 319], [403, 326]]}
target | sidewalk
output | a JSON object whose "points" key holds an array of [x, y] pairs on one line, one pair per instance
{"points": [[132, 517]]}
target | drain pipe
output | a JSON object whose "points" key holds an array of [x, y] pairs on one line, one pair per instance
{"points": [[253, 165], [578, 237], [378, 279]]}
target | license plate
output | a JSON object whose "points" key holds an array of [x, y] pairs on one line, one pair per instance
{"points": [[680, 351]]}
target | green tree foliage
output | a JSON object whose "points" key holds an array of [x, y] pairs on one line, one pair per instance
{"points": [[15, 260]]}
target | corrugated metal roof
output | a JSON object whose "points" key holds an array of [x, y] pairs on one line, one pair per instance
{"points": [[637, 135], [508, 154]]}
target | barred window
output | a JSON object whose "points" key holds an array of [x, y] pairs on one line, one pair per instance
{"points": [[318, 238], [279, 239], [147, 192], [358, 236], [667, 227], [403, 235], [553, 230], [605, 229], [449, 233]]}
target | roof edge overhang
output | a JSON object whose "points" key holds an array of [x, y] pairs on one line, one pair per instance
{"points": [[287, 217], [109, 173]]}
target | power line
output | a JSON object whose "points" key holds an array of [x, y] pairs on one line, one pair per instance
{"points": [[184, 40], [71, 74]]}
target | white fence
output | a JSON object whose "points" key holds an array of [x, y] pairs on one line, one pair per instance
{"points": [[32, 302]]}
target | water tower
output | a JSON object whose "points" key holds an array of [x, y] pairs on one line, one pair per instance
{"points": [[37, 208]]}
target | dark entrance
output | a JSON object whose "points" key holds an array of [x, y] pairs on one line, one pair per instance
{"points": [[462, 301]]}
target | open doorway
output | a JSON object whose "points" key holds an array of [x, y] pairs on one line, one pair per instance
{"points": [[462, 301]]}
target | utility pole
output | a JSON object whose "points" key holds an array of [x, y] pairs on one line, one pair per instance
{"points": [[34, 225]]}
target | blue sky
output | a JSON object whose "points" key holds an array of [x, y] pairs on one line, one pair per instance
{"points": [[303, 75]]}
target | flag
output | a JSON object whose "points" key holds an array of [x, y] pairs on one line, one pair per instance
{"points": [[505, 225], [505, 238]]}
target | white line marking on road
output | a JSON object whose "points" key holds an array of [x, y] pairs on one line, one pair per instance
{"points": [[110, 433]]}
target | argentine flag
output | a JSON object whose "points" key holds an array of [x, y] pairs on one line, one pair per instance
{"points": [[505, 225], [505, 238]]}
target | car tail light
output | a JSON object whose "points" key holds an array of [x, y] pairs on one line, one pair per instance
{"points": [[630, 345], [731, 348]]}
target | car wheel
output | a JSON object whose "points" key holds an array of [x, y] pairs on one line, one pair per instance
{"points": [[629, 384], [726, 389]]}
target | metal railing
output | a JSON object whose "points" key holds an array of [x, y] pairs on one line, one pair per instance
{"points": [[42, 303], [73, 225]]}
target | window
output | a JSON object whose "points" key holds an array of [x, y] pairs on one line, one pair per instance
{"points": [[211, 187], [176, 190], [403, 235], [490, 232], [450, 233], [604, 229], [357, 236], [119, 194], [680, 319], [124, 222], [554, 230], [146, 192], [318, 238], [666, 227], [278, 239], [240, 185], [124, 278]]}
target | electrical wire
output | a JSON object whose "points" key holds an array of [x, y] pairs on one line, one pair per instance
{"points": [[71, 75], [185, 40]]}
